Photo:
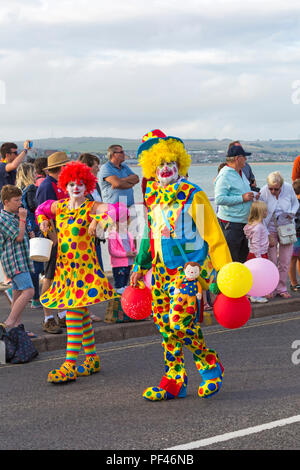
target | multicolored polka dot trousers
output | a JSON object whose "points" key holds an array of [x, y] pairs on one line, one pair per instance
{"points": [[176, 322]]}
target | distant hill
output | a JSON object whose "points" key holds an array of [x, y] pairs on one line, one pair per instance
{"points": [[291, 147], [84, 144], [100, 144]]}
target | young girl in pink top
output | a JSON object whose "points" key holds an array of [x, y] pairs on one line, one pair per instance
{"points": [[257, 234], [122, 250]]}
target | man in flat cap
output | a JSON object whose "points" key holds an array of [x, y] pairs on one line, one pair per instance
{"points": [[233, 196]]}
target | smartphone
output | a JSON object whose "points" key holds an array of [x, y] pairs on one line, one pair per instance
{"points": [[30, 144]]}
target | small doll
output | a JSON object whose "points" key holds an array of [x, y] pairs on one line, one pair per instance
{"points": [[188, 289]]}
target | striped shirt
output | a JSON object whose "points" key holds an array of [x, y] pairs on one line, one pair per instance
{"points": [[14, 255]]}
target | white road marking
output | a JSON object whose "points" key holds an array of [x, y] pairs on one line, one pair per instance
{"points": [[236, 434]]}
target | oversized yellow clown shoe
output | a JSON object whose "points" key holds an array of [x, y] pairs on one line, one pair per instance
{"points": [[168, 389], [66, 373], [90, 366], [155, 394], [212, 381]]}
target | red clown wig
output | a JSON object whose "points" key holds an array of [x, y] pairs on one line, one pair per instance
{"points": [[79, 172]]}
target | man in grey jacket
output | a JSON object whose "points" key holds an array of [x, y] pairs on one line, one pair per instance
{"points": [[233, 196]]}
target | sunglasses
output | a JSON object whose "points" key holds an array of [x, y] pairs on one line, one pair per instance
{"points": [[274, 189]]}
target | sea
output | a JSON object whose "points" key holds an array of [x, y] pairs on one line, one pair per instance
{"points": [[203, 176]]}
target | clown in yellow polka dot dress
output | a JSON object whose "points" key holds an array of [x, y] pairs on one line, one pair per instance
{"points": [[79, 280]]}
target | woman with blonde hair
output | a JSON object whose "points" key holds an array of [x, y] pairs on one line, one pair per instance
{"points": [[25, 175], [282, 206], [25, 180]]}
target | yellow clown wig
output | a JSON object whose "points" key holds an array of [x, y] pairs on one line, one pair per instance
{"points": [[167, 149]]}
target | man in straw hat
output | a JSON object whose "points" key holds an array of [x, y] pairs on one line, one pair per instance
{"points": [[48, 189]]}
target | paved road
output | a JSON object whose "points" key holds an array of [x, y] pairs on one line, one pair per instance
{"points": [[106, 411]]}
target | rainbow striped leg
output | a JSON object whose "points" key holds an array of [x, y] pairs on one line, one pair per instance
{"points": [[92, 361], [74, 322], [67, 371], [79, 333]]}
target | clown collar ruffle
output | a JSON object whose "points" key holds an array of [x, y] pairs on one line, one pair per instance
{"points": [[165, 195]]}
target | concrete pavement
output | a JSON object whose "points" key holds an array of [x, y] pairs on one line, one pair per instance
{"points": [[107, 332]]}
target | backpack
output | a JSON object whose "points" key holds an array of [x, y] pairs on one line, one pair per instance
{"points": [[18, 346], [30, 220]]}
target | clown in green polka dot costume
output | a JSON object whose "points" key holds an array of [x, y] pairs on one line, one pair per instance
{"points": [[79, 280], [181, 227]]}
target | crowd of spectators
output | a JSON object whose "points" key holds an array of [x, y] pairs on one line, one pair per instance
{"points": [[249, 218], [236, 194], [24, 185]]}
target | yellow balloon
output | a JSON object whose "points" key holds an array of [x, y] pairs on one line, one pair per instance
{"points": [[234, 280]]}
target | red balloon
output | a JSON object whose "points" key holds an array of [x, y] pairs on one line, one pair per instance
{"points": [[137, 302], [232, 313]]}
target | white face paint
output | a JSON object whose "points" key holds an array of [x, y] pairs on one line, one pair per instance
{"points": [[167, 173], [192, 272], [76, 189]]}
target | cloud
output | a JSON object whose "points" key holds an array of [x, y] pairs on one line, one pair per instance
{"points": [[102, 12], [198, 68]]}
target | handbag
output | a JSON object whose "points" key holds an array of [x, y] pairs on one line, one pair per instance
{"points": [[286, 233], [10, 345], [18, 345]]}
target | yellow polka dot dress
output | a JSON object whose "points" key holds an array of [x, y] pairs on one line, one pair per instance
{"points": [[79, 280]]}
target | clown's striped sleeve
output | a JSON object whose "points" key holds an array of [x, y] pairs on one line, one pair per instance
{"points": [[143, 260]]}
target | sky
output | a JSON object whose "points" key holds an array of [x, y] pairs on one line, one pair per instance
{"points": [[196, 69]]}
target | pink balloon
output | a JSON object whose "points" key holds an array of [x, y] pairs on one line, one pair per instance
{"points": [[148, 278], [265, 276]]}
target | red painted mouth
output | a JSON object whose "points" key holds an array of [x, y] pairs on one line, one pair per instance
{"points": [[166, 174]]}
